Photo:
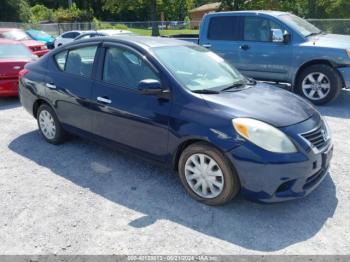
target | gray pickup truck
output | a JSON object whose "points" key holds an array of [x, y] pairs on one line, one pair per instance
{"points": [[280, 47]]}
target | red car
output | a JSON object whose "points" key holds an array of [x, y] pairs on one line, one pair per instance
{"points": [[36, 47], [13, 56]]}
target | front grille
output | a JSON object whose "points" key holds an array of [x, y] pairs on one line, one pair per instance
{"points": [[318, 137]]}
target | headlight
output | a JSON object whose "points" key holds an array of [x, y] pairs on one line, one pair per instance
{"points": [[264, 135]]}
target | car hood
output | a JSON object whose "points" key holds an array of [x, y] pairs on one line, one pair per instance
{"points": [[263, 102], [331, 40]]}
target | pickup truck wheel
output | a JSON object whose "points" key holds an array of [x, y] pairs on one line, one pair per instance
{"points": [[207, 174], [49, 125], [319, 83]]}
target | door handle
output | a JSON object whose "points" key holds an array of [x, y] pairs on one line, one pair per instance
{"points": [[50, 85], [207, 45], [104, 100], [244, 47]]}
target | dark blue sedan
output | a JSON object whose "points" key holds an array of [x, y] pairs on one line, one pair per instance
{"points": [[182, 105]]}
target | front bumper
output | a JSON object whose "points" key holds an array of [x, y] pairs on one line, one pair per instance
{"points": [[270, 177], [345, 73]]}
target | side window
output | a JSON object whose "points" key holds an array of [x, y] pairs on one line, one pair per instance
{"points": [[259, 29], [224, 28], [75, 34], [70, 35], [77, 61], [125, 68], [61, 59]]}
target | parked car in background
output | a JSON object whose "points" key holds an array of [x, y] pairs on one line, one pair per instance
{"points": [[183, 105], [109, 32], [280, 47], [42, 36], [13, 56], [38, 48], [68, 37]]}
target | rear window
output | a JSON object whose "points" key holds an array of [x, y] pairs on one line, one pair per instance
{"points": [[77, 61], [11, 51], [224, 28]]}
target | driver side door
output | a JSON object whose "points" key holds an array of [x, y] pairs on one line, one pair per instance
{"points": [[122, 113], [258, 56]]}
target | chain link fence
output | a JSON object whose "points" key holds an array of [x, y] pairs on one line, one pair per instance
{"points": [[336, 26]]}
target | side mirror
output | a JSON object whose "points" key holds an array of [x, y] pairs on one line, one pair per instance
{"points": [[150, 87], [277, 36], [286, 37]]}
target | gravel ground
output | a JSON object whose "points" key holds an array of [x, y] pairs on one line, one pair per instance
{"points": [[82, 198]]}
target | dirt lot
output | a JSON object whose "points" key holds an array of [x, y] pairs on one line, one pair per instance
{"points": [[82, 198]]}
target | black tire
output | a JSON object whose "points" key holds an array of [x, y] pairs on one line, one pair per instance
{"points": [[59, 135], [231, 185], [335, 80]]}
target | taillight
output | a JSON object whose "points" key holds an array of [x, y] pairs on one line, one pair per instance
{"points": [[23, 72]]}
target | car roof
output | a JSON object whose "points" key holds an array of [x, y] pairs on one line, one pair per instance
{"points": [[9, 29], [265, 12], [114, 31], [78, 31], [9, 41], [142, 41]]}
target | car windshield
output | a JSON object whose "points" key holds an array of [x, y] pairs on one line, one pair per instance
{"points": [[11, 51], [16, 35], [197, 68], [38, 34], [300, 25]]}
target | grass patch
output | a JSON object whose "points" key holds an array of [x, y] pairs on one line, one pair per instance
{"points": [[166, 32]]}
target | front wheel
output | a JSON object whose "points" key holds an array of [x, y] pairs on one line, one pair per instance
{"points": [[207, 174], [319, 83]]}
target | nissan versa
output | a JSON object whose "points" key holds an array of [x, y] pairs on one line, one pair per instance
{"points": [[183, 105]]}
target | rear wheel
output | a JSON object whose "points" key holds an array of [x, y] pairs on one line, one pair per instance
{"points": [[319, 83], [49, 125], [207, 174]]}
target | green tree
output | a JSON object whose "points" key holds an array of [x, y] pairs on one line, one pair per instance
{"points": [[116, 6], [14, 10], [41, 13]]}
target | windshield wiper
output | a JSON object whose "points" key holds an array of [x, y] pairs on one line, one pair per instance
{"points": [[312, 34], [251, 81], [205, 91], [233, 86]]}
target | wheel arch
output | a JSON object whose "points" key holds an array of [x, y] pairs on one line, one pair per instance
{"points": [[37, 104], [185, 144], [311, 63]]}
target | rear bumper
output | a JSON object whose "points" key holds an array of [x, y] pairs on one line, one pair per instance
{"points": [[9, 87], [345, 73]]}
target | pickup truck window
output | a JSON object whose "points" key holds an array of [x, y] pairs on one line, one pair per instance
{"points": [[259, 29], [197, 68], [224, 28], [300, 25]]}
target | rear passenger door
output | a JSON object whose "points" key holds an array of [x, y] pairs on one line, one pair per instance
{"points": [[69, 85], [223, 36]]}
